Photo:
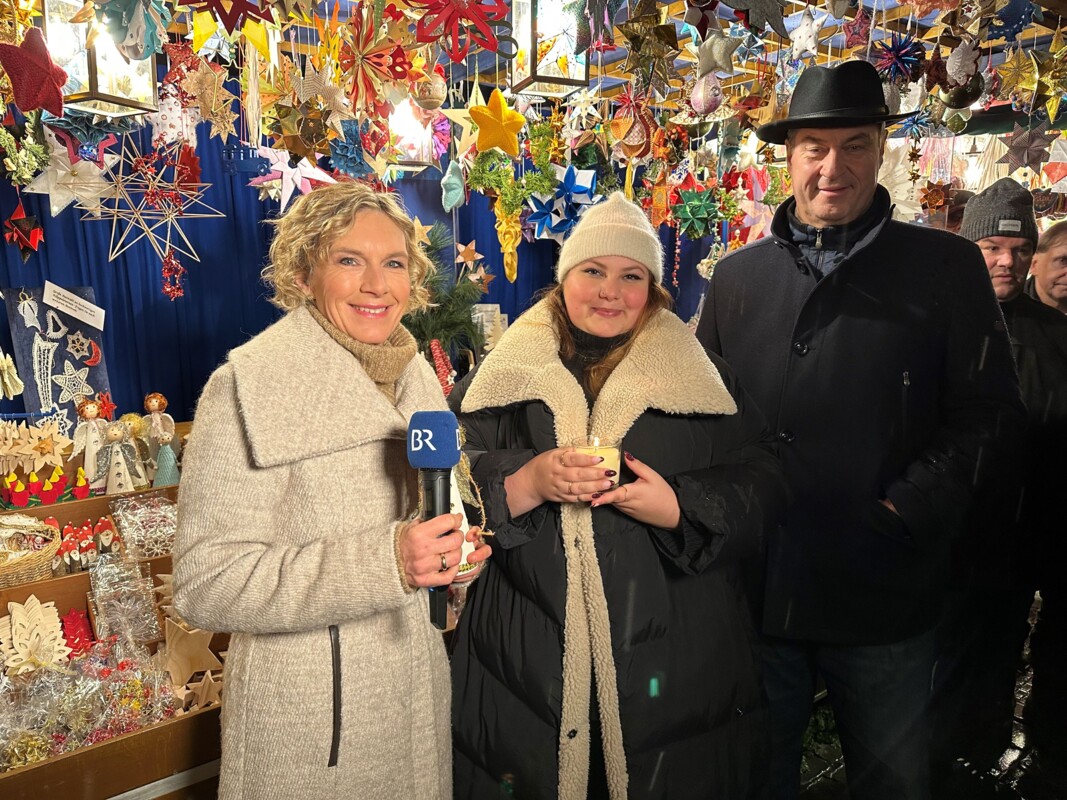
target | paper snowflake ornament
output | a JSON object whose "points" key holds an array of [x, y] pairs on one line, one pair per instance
{"points": [[1027, 147], [498, 125], [582, 111]]}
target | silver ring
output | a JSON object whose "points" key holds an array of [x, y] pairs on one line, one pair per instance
{"points": [[444, 563]]}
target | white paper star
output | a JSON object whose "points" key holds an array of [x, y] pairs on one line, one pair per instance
{"points": [[64, 182], [72, 382], [805, 36], [583, 111], [173, 121], [293, 179]]}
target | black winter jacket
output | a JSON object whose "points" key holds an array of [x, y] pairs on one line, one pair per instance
{"points": [[892, 377], [665, 624]]}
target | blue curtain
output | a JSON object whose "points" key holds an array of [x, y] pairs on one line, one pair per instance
{"points": [[153, 344]]}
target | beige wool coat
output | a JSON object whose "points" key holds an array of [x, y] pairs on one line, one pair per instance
{"points": [[295, 481]]}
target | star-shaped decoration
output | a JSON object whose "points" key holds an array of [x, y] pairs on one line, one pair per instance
{"points": [[498, 125], [453, 189], [467, 254], [36, 81], [1027, 147], [151, 195], [293, 178], [65, 182], [165, 590], [715, 53], [858, 29], [759, 14], [207, 691], [213, 99], [24, 231], [582, 111], [481, 277], [188, 652], [72, 382], [232, 12], [805, 37], [78, 345], [44, 445], [653, 46], [1017, 71], [421, 231], [107, 408], [1050, 71]]}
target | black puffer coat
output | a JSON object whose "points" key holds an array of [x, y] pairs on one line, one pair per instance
{"points": [[660, 614]]}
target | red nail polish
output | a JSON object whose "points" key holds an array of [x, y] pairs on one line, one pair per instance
{"points": [[595, 495], [609, 473], [628, 457]]}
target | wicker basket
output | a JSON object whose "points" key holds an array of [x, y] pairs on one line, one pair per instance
{"points": [[36, 566]]}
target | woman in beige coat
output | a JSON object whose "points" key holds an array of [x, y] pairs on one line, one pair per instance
{"points": [[295, 521]]}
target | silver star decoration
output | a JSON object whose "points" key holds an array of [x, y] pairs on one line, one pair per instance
{"points": [[763, 13], [715, 53], [72, 382], [78, 345]]}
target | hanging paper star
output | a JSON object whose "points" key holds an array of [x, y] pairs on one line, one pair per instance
{"points": [[75, 132], [751, 47], [1050, 70], [230, 12], [1017, 70], [715, 53], [371, 62], [481, 277], [858, 29], [347, 153], [72, 383], [935, 194], [214, 100], [461, 116], [582, 110], [1027, 147], [1012, 19], [36, 82], [601, 15], [24, 232], [65, 183], [498, 125], [467, 254], [700, 14], [457, 24], [838, 8], [453, 191], [696, 213], [138, 27], [759, 14], [653, 44], [924, 7], [293, 179], [173, 121]]}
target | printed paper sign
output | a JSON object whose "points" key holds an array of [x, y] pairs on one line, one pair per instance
{"points": [[77, 307]]}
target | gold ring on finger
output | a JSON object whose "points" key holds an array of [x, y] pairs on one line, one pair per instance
{"points": [[625, 494], [444, 563]]}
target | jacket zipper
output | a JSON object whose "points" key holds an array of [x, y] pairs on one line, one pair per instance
{"points": [[335, 649]]}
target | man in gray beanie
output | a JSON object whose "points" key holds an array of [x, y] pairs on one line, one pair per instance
{"points": [[1015, 543]]}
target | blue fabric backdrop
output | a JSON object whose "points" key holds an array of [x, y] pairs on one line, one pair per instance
{"points": [[153, 344]]}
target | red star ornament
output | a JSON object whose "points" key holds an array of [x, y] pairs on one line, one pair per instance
{"points": [[107, 408], [24, 232], [36, 82], [231, 14], [857, 30]]}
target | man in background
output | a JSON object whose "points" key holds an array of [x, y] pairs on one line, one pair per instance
{"points": [[1048, 282]]}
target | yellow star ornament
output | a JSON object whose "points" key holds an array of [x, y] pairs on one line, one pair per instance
{"points": [[498, 125]]}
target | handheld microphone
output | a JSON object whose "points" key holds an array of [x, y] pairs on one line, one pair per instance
{"points": [[433, 449]]}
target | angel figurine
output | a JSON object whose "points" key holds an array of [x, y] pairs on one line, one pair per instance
{"points": [[138, 428], [166, 463], [159, 423], [117, 461], [89, 436]]}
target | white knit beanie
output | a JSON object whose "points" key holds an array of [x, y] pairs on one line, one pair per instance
{"points": [[614, 227]]}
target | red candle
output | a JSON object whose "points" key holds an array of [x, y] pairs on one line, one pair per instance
{"points": [[20, 495]]}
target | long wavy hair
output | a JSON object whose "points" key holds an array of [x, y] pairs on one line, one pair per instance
{"points": [[596, 374]]}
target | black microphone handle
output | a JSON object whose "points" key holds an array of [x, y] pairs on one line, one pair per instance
{"points": [[437, 500]]}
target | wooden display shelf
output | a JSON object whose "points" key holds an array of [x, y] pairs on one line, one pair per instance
{"points": [[187, 745]]}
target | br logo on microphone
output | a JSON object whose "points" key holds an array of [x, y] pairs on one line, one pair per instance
{"points": [[433, 440]]}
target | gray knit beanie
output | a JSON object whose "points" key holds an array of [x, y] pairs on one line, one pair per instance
{"points": [[1004, 209], [614, 227]]}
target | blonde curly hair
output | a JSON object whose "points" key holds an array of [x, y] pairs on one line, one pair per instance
{"points": [[304, 235]]}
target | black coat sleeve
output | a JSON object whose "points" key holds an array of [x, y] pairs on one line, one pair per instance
{"points": [[982, 413], [707, 332], [729, 507], [484, 435]]}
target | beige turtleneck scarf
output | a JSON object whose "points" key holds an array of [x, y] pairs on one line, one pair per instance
{"points": [[384, 362]]}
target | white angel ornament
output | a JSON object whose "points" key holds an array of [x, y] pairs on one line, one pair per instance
{"points": [[117, 461], [159, 424], [89, 436]]}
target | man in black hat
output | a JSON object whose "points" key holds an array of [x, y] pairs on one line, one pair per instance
{"points": [[877, 352]]}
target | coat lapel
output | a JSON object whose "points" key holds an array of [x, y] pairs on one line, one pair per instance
{"points": [[338, 406]]}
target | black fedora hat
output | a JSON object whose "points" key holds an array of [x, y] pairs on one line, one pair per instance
{"points": [[844, 96]]}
